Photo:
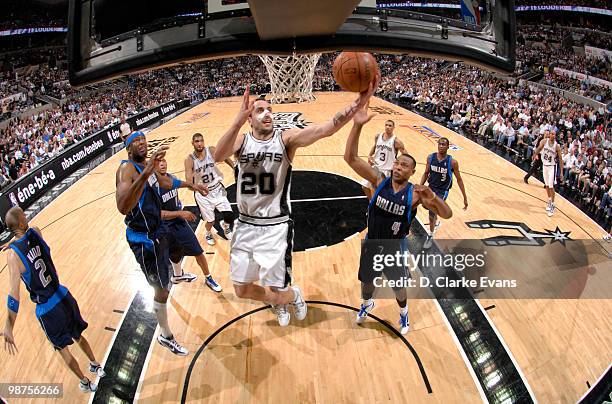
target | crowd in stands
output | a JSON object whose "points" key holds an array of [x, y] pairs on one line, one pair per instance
{"points": [[503, 113], [512, 119]]}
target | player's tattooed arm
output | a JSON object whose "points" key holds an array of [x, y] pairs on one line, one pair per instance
{"points": [[294, 138], [231, 142]]}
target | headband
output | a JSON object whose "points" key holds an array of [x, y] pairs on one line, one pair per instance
{"points": [[133, 136]]}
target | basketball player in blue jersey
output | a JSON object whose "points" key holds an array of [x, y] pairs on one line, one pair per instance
{"points": [[138, 198], [439, 171], [261, 246], [390, 212], [29, 258], [182, 239]]}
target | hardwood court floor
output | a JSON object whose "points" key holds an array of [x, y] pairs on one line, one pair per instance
{"points": [[559, 345]]}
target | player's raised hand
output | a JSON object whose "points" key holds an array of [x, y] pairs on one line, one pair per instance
{"points": [[246, 107], [364, 97], [362, 117], [9, 342], [158, 154]]}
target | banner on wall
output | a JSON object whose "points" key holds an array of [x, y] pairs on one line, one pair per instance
{"points": [[29, 188]]}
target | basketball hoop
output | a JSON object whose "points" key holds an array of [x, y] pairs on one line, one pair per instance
{"points": [[291, 76]]}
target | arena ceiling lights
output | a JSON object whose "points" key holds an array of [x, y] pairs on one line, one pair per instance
{"points": [[109, 38]]}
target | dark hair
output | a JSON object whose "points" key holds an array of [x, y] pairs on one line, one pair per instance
{"points": [[390, 120], [410, 157], [444, 139], [195, 135]]}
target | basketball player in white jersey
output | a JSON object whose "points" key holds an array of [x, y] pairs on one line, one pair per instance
{"points": [[549, 151], [262, 243], [383, 154], [201, 168]]}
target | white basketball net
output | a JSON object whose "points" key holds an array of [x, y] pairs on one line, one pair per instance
{"points": [[291, 76]]}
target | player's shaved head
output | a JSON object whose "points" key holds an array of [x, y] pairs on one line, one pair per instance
{"points": [[197, 135], [15, 219]]}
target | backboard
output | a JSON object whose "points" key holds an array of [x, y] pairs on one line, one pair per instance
{"points": [[109, 38]]}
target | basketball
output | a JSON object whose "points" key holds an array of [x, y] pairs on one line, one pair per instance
{"points": [[353, 71]]}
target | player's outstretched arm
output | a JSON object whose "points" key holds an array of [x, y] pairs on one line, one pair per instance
{"points": [[432, 202], [351, 153], [14, 268], [130, 184], [227, 161], [230, 142], [455, 166], [294, 138]]}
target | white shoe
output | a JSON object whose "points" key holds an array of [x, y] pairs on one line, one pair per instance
{"points": [[404, 324], [299, 305], [172, 345], [607, 237], [211, 283], [210, 240], [184, 277], [97, 370], [428, 242], [551, 211], [282, 314], [363, 312], [88, 387]]}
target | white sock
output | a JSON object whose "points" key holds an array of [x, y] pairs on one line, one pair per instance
{"points": [[176, 267], [225, 225], [367, 302], [161, 312], [208, 233], [94, 363], [404, 310]]}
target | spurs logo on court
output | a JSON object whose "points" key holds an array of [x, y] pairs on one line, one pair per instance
{"points": [[528, 237], [153, 144], [288, 120]]}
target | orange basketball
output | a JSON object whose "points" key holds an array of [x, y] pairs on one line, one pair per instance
{"points": [[353, 71]]}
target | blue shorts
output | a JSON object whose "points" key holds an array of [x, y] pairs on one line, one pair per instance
{"points": [[442, 193], [153, 258], [182, 241], [63, 323]]}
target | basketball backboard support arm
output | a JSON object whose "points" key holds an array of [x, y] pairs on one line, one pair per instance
{"points": [[233, 32]]}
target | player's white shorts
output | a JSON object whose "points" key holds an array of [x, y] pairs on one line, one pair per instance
{"points": [[262, 253], [548, 173], [368, 184], [216, 198]]}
